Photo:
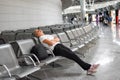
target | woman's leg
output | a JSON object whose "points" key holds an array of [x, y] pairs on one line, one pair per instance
{"points": [[61, 50]]}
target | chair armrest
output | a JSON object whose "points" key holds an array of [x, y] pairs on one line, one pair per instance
{"points": [[38, 61], [29, 57], [51, 52], [6, 68]]}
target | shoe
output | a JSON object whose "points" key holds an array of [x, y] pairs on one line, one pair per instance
{"points": [[93, 69]]}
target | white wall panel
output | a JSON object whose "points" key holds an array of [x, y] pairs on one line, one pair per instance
{"points": [[23, 14]]}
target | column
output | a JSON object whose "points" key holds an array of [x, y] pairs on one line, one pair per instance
{"points": [[83, 9]]}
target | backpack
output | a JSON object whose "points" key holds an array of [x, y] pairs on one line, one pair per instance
{"points": [[39, 51]]}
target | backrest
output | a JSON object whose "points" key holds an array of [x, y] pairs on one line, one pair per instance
{"points": [[2, 40], [79, 31], [27, 35], [71, 37], [9, 36], [31, 30], [46, 30], [64, 39], [82, 31], [20, 30], [19, 36], [75, 33], [7, 57], [57, 30], [70, 34], [25, 45], [87, 28]]}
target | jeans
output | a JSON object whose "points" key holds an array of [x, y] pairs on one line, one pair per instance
{"points": [[61, 50]]}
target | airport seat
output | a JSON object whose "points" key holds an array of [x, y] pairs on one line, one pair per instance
{"points": [[30, 30], [88, 31], [74, 40], [7, 31], [8, 36], [46, 30], [9, 67], [2, 40], [20, 30], [77, 36], [19, 36], [64, 39], [23, 35], [83, 35], [27, 35], [95, 31], [25, 47], [80, 36]]}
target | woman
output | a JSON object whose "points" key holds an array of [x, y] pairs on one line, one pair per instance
{"points": [[53, 43]]}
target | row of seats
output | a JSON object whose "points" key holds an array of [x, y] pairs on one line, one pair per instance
{"points": [[10, 62], [19, 51], [9, 36]]}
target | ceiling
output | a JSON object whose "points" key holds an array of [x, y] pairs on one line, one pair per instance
{"points": [[77, 2], [66, 3], [96, 8]]}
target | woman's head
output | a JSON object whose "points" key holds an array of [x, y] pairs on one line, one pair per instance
{"points": [[38, 33]]}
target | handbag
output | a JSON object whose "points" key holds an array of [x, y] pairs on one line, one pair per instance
{"points": [[39, 51]]}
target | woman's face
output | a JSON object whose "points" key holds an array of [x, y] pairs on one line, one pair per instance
{"points": [[39, 33]]}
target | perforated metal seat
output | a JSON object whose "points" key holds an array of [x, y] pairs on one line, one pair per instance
{"points": [[88, 31], [9, 67], [74, 40], [26, 46], [19, 36], [2, 40], [65, 41], [9, 36], [84, 35]]}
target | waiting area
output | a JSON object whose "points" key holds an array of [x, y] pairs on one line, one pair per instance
{"points": [[18, 63]]}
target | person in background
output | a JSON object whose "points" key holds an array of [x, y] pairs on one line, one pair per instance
{"points": [[59, 49], [97, 20]]}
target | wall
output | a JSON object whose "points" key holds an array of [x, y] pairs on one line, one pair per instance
{"points": [[23, 14]]}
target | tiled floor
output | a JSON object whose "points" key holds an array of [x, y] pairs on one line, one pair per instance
{"points": [[106, 52]]}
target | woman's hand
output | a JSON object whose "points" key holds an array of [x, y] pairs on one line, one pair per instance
{"points": [[56, 39]]}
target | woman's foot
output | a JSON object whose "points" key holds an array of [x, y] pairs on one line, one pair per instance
{"points": [[93, 69]]}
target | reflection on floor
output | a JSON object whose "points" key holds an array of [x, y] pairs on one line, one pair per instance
{"points": [[105, 52]]}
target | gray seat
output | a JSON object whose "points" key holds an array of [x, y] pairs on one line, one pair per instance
{"points": [[20, 30], [83, 35], [74, 40], [25, 47], [31, 30], [67, 42], [2, 40], [9, 67], [94, 30], [23, 35], [27, 35], [88, 30], [46, 30], [78, 37], [9, 36], [19, 36]]}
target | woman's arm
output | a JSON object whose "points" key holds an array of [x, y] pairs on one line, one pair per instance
{"points": [[56, 39], [49, 42]]}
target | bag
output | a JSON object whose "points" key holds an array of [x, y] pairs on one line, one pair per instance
{"points": [[39, 51]]}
